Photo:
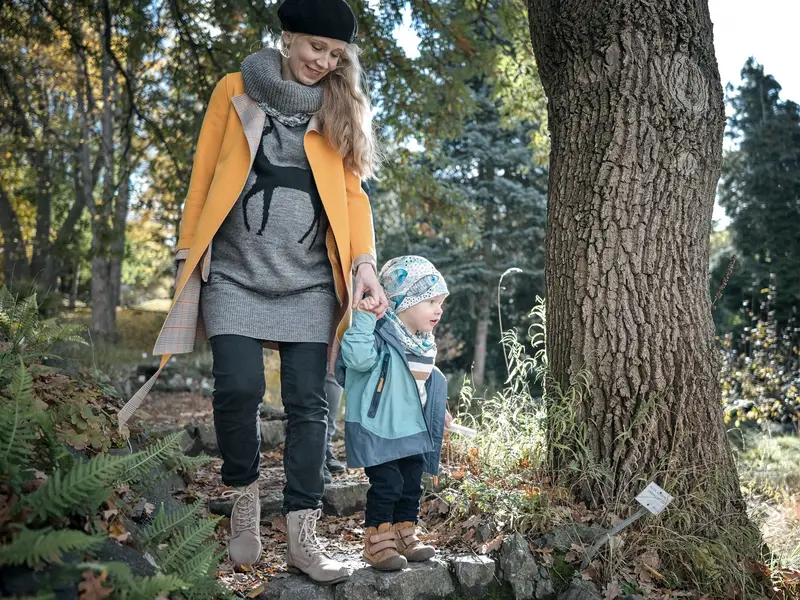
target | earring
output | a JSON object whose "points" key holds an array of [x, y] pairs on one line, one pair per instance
{"points": [[284, 50]]}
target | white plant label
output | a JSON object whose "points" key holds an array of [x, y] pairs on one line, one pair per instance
{"points": [[654, 499]]}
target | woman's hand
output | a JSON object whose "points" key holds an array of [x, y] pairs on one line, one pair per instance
{"points": [[448, 419], [367, 281]]}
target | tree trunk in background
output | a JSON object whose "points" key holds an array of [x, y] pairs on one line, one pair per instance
{"points": [[636, 118], [42, 270], [117, 250], [481, 336], [15, 261], [103, 305]]}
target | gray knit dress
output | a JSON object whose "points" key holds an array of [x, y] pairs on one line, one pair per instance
{"points": [[270, 276]]}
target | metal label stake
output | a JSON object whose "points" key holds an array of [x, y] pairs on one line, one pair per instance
{"points": [[653, 500]]}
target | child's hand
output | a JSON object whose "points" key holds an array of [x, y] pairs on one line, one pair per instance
{"points": [[369, 304], [448, 419]]}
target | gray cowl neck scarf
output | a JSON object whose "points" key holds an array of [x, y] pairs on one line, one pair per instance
{"points": [[289, 102]]}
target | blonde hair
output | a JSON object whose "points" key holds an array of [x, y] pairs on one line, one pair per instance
{"points": [[346, 114]]}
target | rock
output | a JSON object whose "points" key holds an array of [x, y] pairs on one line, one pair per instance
{"points": [[295, 588], [581, 590], [562, 538], [159, 486], [113, 551], [421, 581], [486, 531], [273, 434], [345, 499], [271, 503], [475, 575], [529, 580], [177, 383], [21, 581], [205, 440], [270, 412]]}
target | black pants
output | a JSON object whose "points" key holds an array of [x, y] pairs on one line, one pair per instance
{"points": [[394, 491], [238, 392]]}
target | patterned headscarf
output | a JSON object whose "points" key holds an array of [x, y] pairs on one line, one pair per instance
{"points": [[409, 280]]}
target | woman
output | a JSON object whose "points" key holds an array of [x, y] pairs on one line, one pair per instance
{"points": [[275, 191]]}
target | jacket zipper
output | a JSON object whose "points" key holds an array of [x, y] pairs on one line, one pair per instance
{"points": [[376, 396]]}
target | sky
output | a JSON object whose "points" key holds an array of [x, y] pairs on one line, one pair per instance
{"points": [[764, 29]]}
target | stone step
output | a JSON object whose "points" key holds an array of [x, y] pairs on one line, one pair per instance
{"points": [[515, 573], [340, 500]]}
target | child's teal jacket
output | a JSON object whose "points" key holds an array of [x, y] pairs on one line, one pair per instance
{"points": [[384, 418]]}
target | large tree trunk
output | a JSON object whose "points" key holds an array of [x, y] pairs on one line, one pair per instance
{"points": [[481, 337], [636, 118]]}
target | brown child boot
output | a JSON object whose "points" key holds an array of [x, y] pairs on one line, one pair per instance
{"points": [[409, 545], [380, 548]]}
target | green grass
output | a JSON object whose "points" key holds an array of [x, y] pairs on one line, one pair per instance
{"points": [[137, 330], [769, 468]]}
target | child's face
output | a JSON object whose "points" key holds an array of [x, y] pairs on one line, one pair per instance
{"points": [[423, 316]]}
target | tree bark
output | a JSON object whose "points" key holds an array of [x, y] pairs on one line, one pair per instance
{"points": [[15, 260], [636, 119], [121, 205], [103, 305], [42, 270], [481, 337]]}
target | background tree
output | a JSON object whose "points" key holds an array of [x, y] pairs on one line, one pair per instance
{"points": [[636, 119], [759, 191], [492, 198]]}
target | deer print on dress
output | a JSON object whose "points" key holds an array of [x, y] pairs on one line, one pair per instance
{"points": [[270, 177]]}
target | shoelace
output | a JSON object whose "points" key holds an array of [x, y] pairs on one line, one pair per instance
{"points": [[308, 534], [244, 509]]}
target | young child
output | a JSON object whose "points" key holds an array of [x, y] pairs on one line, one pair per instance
{"points": [[396, 406]]}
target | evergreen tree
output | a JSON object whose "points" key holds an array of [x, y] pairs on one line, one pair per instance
{"points": [[760, 192], [477, 209]]}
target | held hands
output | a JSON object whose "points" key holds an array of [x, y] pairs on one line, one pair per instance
{"points": [[368, 304], [367, 282]]}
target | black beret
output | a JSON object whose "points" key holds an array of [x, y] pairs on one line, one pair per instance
{"points": [[326, 18]]}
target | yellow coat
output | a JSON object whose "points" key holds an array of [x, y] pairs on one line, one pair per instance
{"points": [[226, 149]]}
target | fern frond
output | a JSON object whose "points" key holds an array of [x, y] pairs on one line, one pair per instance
{"points": [[25, 318], [34, 546], [129, 587], [85, 486], [166, 521], [18, 429], [143, 461], [188, 464], [147, 588], [7, 300], [184, 545], [201, 566], [205, 589]]}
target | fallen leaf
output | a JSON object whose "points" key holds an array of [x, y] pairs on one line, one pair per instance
{"points": [[255, 592], [590, 573], [613, 590], [91, 588], [492, 545]]}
